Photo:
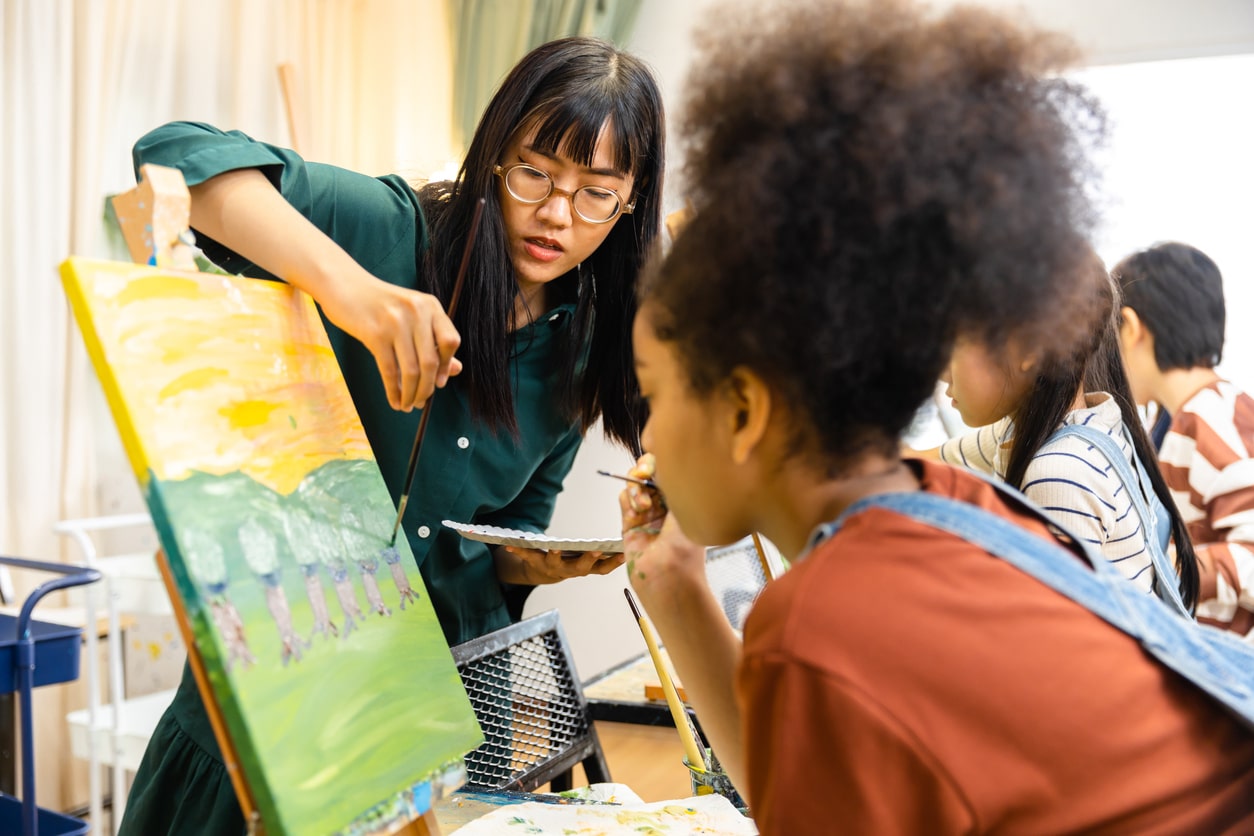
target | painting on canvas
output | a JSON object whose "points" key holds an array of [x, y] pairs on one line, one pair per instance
{"points": [[337, 690]]}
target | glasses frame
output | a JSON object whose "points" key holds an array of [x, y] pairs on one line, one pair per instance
{"points": [[624, 208]]}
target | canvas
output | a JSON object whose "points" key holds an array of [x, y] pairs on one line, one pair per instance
{"points": [[337, 690]]}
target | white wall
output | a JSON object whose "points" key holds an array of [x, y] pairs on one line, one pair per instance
{"points": [[1179, 167]]}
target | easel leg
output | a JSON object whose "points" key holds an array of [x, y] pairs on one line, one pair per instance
{"points": [[425, 826]]}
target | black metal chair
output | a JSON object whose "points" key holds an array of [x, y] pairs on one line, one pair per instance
{"points": [[736, 577], [531, 707]]}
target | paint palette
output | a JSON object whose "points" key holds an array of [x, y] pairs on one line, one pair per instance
{"points": [[497, 536]]}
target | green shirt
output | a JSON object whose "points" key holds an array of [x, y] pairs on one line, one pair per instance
{"points": [[466, 472]]}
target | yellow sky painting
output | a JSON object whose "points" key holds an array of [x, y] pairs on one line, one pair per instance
{"points": [[221, 374]]}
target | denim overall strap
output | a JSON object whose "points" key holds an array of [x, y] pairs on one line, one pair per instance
{"points": [[1215, 661], [1138, 488]]}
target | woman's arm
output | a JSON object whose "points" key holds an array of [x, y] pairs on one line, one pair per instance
{"points": [[407, 332]]}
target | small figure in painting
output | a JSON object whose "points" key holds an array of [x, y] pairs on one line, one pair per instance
{"points": [[310, 559], [204, 556], [260, 548]]}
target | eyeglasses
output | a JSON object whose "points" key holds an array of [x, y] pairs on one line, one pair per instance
{"points": [[530, 185]]}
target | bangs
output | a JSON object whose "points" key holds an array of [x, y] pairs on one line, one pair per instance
{"points": [[571, 125]]}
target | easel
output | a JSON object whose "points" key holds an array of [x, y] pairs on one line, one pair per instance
{"points": [[155, 222]]}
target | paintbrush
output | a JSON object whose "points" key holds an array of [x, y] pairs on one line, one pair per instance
{"points": [[683, 723], [648, 483], [426, 410]]}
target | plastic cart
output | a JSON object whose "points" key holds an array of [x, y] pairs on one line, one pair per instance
{"points": [[34, 653]]}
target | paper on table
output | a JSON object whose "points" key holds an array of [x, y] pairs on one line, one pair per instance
{"points": [[703, 814]]}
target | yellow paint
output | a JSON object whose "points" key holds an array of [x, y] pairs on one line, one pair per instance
{"points": [[158, 287], [247, 414], [195, 379], [189, 357]]}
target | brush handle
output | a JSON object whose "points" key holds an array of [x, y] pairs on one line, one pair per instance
{"points": [[648, 483], [683, 723]]}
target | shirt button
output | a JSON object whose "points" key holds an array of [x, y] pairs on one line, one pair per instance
{"points": [[424, 532], [463, 442], [554, 317]]}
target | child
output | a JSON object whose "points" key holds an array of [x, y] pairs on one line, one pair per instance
{"points": [[868, 183], [1036, 420], [1172, 337]]}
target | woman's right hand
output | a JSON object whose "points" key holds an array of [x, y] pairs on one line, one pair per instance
{"points": [[410, 336]]}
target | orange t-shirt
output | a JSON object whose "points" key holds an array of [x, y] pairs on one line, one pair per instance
{"points": [[901, 680]]}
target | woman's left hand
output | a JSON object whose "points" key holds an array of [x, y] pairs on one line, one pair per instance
{"points": [[534, 567]]}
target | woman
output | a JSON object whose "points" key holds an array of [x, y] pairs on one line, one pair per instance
{"points": [[569, 158], [870, 181]]}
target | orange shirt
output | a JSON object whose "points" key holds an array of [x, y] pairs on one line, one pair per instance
{"points": [[900, 680]]}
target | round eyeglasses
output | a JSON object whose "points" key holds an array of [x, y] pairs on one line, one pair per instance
{"points": [[530, 185]]}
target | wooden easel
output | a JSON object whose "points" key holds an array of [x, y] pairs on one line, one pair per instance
{"points": [[155, 221]]}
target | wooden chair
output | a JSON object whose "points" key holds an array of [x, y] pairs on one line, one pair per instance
{"points": [[531, 707]]}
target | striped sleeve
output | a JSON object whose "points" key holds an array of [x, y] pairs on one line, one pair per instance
{"points": [[1207, 459], [978, 450]]}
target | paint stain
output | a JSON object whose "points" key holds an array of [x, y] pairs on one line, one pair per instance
{"points": [[195, 379], [245, 414], [159, 287]]}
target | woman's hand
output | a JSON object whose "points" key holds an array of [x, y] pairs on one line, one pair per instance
{"points": [[533, 567], [408, 332]]}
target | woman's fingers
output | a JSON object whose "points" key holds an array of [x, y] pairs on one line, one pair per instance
{"points": [[413, 342]]}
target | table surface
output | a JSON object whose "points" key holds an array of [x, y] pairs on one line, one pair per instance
{"points": [[617, 695]]}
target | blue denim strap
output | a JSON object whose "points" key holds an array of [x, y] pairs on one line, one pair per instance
{"points": [[1215, 661], [1138, 488]]}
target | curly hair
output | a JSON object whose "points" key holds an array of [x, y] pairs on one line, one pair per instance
{"points": [[868, 182]]}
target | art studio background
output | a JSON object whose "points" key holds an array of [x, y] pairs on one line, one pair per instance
{"points": [[386, 85]]}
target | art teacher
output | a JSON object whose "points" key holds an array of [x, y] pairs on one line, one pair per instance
{"points": [[569, 155]]}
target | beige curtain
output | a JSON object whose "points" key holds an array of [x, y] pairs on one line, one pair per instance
{"points": [[80, 81], [489, 37]]}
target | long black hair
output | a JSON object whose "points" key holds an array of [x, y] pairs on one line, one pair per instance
{"points": [[1098, 367], [568, 91]]}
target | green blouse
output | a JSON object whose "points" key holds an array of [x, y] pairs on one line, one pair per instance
{"points": [[466, 472]]}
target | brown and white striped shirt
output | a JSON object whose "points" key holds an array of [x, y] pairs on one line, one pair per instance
{"points": [[1207, 459]]}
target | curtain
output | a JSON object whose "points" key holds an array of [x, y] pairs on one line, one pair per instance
{"points": [[80, 81], [489, 36]]}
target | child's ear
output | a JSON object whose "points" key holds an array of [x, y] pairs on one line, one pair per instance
{"points": [[1131, 329], [749, 412]]}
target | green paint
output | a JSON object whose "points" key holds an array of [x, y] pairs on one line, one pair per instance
{"points": [[360, 717]]}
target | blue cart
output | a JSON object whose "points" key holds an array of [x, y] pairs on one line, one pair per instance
{"points": [[34, 653]]}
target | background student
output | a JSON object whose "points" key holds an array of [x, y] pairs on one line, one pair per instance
{"points": [[1024, 403], [870, 182], [1172, 337], [569, 156]]}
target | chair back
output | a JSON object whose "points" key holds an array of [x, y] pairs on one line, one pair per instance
{"points": [[534, 716], [736, 577]]}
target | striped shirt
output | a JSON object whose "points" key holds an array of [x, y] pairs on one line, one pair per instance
{"points": [[1207, 459], [1072, 482]]}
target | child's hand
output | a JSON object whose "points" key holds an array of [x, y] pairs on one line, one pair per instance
{"points": [[655, 547], [643, 509]]}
